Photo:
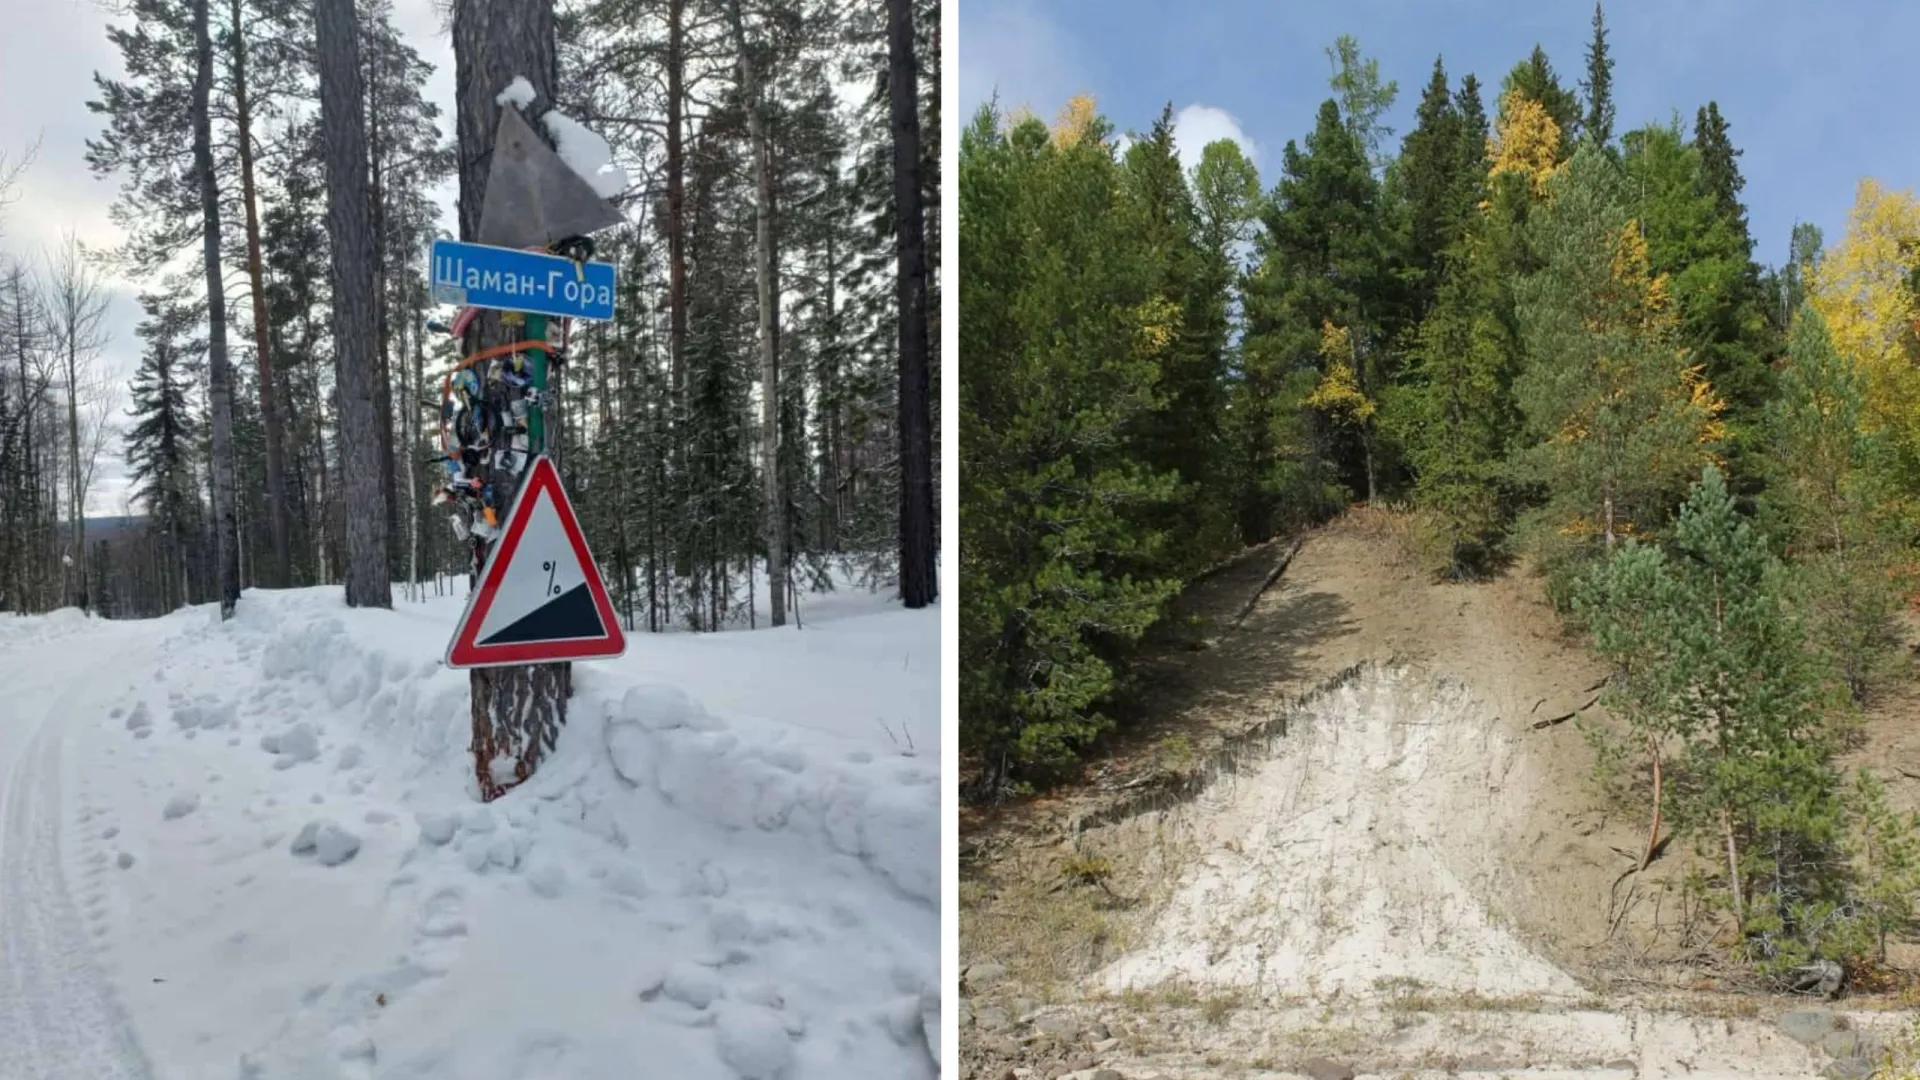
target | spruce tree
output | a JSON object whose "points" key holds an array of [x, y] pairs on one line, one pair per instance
{"points": [[1319, 259], [1597, 126], [1534, 79], [1708, 637], [1429, 174], [1706, 254], [159, 444], [1182, 435]]}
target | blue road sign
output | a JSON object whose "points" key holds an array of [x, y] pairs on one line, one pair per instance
{"points": [[482, 276]]}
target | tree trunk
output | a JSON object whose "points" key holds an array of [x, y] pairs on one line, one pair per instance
{"points": [[917, 584], [413, 438], [772, 488], [1733, 870], [517, 711], [76, 508], [349, 223], [676, 198], [1653, 834], [383, 372], [219, 375], [256, 278]]}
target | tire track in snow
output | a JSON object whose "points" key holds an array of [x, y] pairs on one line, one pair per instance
{"points": [[58, 1015]]}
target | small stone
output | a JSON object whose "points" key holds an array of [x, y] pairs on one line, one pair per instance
{"points": [[1323, 1069], [1106, 1046], [1107, 1074], [1852, 1068], [1099, 1031], [983, 975], [966, 1014], [1808, 1026], [991, 1018], [1842, 1044], [1058, 1024], [1621, 1064]]}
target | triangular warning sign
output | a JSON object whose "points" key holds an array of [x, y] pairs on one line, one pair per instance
{"points": [[540, 598]]}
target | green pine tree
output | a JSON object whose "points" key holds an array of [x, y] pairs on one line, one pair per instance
{"points": [[1616, 421], [1062, 342], [1834, 500], [1714, 675]]}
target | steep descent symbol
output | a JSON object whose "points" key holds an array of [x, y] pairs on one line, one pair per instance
{"points": [[540, 598]]}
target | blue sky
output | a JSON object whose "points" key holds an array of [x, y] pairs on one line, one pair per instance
{"points": [[1817, 95]]}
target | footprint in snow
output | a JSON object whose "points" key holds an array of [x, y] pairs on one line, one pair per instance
{"points": [[440, 934]]}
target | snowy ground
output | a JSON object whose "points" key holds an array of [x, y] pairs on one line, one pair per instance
{"points": [[729, 868]]}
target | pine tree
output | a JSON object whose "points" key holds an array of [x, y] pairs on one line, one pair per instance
{"points": [[1834, 502], [916, 416], [348, 224], [517, 712], [1616, 417], [1060, 337], [219, 373], [1713, 649]]}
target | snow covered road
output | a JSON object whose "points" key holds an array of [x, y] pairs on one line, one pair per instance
{"points": [[58, 1014], [251, 850]]}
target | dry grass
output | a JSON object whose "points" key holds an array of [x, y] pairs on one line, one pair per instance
{"points": [[1903, 1058], [1408, 538], [1050, 926]]}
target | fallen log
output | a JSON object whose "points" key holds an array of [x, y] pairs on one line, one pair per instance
{"points": [[1272, 576], [1564, 717]]}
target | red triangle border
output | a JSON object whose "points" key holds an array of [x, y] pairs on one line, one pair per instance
{"points": [[464, 651]]}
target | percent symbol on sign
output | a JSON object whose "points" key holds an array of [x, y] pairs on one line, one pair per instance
{"points": [[551, 570]]}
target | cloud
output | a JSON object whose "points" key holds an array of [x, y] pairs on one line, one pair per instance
{"points": [[1013, 53], [1197, 125]]}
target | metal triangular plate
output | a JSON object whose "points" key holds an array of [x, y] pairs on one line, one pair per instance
{"points": [[533, 197]]}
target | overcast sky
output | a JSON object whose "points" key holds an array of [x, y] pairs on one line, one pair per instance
{"points": [[1813, 92], [48, 55]]}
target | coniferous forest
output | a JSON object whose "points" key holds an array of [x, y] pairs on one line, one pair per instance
{"points": [[1537, 332], [714, 436]]}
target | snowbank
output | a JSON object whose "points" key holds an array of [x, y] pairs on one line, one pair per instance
{"points": [[728, 868]]}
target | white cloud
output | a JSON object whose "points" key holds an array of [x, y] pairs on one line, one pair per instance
{"points": [[1014, 53], [1197, 125]]}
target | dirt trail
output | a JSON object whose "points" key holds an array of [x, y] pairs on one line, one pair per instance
{"points": [[1377, 852]]}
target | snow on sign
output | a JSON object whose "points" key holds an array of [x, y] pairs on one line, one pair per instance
{"points": [[483, 276], [540, 598]]}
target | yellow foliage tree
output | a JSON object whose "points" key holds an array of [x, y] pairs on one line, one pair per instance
{"points": [[1524, 141], [1645, 292], [1339, 394], [1860, 287], [1076, 119]]}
